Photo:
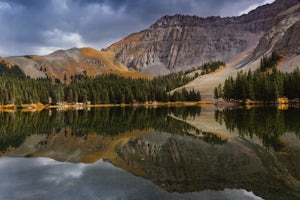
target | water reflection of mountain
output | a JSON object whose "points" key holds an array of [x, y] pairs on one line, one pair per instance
{"points": [[181, 164], [158, 145]]}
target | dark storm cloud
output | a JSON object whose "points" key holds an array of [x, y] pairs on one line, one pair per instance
{"points": [[37, 27]]}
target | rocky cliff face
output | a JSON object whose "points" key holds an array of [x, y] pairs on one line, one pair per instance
{"points": [[282, 36], [180, 42], [289, 44]]}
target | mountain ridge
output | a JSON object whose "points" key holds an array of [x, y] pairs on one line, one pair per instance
{"points": [[181, 42], [63, 65]]}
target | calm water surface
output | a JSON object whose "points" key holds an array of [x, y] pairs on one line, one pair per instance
{"points": [[154, 153]]}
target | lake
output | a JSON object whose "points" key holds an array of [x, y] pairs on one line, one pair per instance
{"points": [[151, 153]]}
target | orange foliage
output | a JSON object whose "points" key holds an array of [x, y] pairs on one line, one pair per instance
{"points": [[6, 62], [133, 38], [63, 64]]}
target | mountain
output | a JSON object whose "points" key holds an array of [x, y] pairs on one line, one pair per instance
{"points": [[180, 42], [282, 37], [64, 64]]}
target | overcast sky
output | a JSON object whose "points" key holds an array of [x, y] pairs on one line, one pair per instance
{"points": [[42, 26]]}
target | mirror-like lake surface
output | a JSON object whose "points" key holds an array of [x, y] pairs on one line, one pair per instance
{"points": [[151, 153]]}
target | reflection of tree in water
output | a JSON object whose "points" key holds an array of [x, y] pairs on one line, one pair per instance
{"points": [[15, 127], [111, 121], [212, 138], [268, 123]]}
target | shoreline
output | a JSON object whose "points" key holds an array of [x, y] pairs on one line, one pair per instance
{"points": [[79, 106], [282, 105]]}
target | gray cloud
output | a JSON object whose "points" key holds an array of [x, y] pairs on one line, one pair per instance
{"points": [[37, 27], [43, 178]]}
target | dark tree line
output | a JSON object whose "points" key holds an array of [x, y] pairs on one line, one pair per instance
{"points": [[171, 81], [18, 89], [24, 90], [268, 62], [207, 67], [211, 66], [185, 95], [14, 71], [115, 89], [261, 85]]}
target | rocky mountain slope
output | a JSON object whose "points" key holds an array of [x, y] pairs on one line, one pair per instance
{"points": [[282, 36], [180, 42], [63, 64]]}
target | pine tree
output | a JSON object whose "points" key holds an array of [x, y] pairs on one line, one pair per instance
{"points": [[216, 94], [70, 96], [228, 89], [105, 97]]}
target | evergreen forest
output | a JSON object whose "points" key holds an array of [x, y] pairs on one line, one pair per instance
{"points": [[266, 84], [18, 89]]}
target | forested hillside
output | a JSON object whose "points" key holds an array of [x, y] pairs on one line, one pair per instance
{"points": [[266, 84], [106, 89], [14, 71]]}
